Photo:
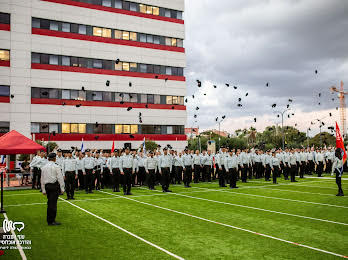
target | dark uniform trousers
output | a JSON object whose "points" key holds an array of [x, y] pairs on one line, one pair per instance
{"points": [[165, 180], [286, 171], [244, 172], [151, 176], [52, 192], [89, 179], [328, 166], [127, 180], [70, 184], [302, 169], [207, 173], [233, 177], [187, 175], [293, 169], [310, 167], [36, 178], [320, 167], [81, 180], [268, 172], [98, 178], [105, 177], [141, 176], [178, 174], [197, 173], [258, 170], [116, 177], [275, 173], [222, 176], [339, 182]]}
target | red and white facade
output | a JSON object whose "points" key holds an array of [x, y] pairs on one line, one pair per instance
{"points": [[67, 85]]}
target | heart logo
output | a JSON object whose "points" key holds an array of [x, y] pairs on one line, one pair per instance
{"points": [[20, 224]]}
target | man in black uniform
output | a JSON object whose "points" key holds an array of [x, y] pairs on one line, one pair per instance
{"points": [[52, 185]]}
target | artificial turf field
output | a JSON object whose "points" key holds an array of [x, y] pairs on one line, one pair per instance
{"points": [[260, 220]]}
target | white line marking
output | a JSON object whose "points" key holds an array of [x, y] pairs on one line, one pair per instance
{"points": [[268, 197], [20, 249], [23, 194], [126, 231], [230, 226], [326, 178], [266, 210]]}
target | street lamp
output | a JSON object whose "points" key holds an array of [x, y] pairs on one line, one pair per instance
{"points": [[219, 122], [281, 113]]}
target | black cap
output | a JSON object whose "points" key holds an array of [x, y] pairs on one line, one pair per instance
{"points": [[59, 150], [87, 150], [165, 148], [52, 155], [115, 150]]}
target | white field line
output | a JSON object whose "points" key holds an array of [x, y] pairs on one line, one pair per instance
{"points": [[325, 178], [126, 231], [23, 194], [307, 192], [20, 249], [268, 197], [261, 209], [230, 226]]}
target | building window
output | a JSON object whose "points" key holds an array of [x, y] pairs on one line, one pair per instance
{"points": [[133, 7], [133, 66], [156, 40], [180, 43], [125, 66], [97, 96], [133, 98], [168, 71], [149, 38], [157, 99], [150, 99], [82, 95], [82, 29], [4, 91], [65, 61], [125, 35], [66, 27], [74, 94], [142, 8], [106, 3], [4, 18], [167, 13], [65, 94], [118, 129], [149, 9], [169, 130], [35, 127], [168, 41], [143, 98], [118, 4], [142, 37], [169, 100], [53, 60], [107, 96], [143, 68], [53, 93], [133, 36], [98, 64], [73, 128], [4, 55], [173, 42], [126, 129], [134, 129], [54, 26], [53, 128], [43, 128], [181, 100], [118, 66], [126, 97], [97, 31], [106, 33], [118, 34], [155, 10], [35, 23]]}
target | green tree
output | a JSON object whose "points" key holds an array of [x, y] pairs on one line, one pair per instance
{"points": [[150, 145], [50, 146], [326, 139]]}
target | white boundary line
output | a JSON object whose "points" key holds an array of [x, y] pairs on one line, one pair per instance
{"points": [[266, 210], [267, 197], [126, 231], [20, 249], [230, 226], [307, 192]]}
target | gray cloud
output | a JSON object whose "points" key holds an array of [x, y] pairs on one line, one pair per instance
{"points": [[248, 43]]}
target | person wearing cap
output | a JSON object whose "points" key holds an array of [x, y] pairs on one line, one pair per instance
{"points": [[275, 166], [178, 165], [114, 166], [88, 167], [320, 162], [80, 170], [231, 163], [197, 166], [293, 165], [60, 158], [151, 164], [337, 169], [207, 161], [52, 185], [98, 169], [69, 169], [127, 170], [188, 165], [165, 167], [141, 168], [34, 165], [268, 165]]}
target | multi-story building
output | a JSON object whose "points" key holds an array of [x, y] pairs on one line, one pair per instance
{"points": [[97, 70]]}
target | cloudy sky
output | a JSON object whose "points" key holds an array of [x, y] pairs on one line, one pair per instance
{"points": [[248, 43]]}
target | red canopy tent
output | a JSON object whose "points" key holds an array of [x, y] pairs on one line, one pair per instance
{"points": [[16, 143]]}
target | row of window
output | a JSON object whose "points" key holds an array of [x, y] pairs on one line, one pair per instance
{"points": [[104, 64], [4, 18], [136, 7], [76, 128], [4, 55], [105, 32], [100, 96], [4, 91]]}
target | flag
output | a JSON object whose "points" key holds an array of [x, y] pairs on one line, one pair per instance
{"points": [[82, 149], [113, 146], [3, 157], [144, 147], [339, 142]]}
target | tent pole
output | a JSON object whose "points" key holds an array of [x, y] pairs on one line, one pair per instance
{"points": [[2, 186]]}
